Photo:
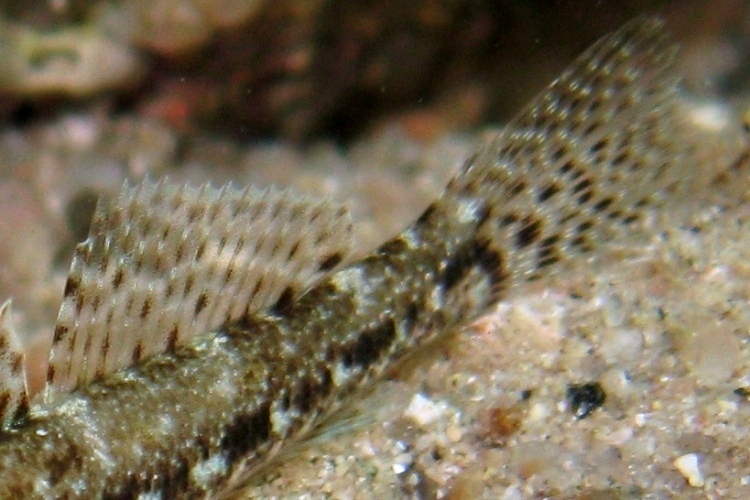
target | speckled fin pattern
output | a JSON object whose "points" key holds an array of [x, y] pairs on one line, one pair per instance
{"points": [[579, 166], [13, 396], [163, 263]]}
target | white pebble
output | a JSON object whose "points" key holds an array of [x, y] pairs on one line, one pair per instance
{"points": [[402, 463], [423, 410], [640, 419], [689, 467], [539, 412]]}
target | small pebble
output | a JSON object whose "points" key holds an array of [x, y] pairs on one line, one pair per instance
{"points": [[539, 411], [689, 467], [423, 410], [503, 422], [402, 463], [453, 433]]}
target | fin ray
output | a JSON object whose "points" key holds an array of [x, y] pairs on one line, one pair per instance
{"points": [[163, 263], [14, 401]]}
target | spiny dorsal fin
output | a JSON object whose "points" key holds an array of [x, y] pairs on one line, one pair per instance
{"points": [[163, 263], [14, 402]]}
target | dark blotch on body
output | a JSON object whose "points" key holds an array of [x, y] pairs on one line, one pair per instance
{"points": [[170, 479], [174, 478], [411, 316], [369, 345], [246, 432], [4, 401], [312, 389]]}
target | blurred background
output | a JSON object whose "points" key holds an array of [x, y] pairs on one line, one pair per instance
{"points": [[301, 69]]}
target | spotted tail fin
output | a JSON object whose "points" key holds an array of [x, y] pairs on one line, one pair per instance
{"points": [[580, 165]]}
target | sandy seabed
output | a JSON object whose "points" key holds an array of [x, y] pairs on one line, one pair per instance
{"points": [[659, 321]]}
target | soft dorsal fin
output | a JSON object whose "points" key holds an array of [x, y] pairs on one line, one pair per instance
{"points": [[163, 263], [14, 402]]}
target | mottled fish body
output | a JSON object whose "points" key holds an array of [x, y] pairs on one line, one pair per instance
{"points": [[575, 169]]}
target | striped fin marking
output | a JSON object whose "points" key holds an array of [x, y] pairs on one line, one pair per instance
{"points": [[163, 263], [14, 403]]}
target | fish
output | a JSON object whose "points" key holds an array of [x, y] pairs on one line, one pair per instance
{"points": [[180, 364]]}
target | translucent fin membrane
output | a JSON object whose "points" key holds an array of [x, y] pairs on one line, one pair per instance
{"points": [[163, 263], [585, 160], [14, 402]]}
